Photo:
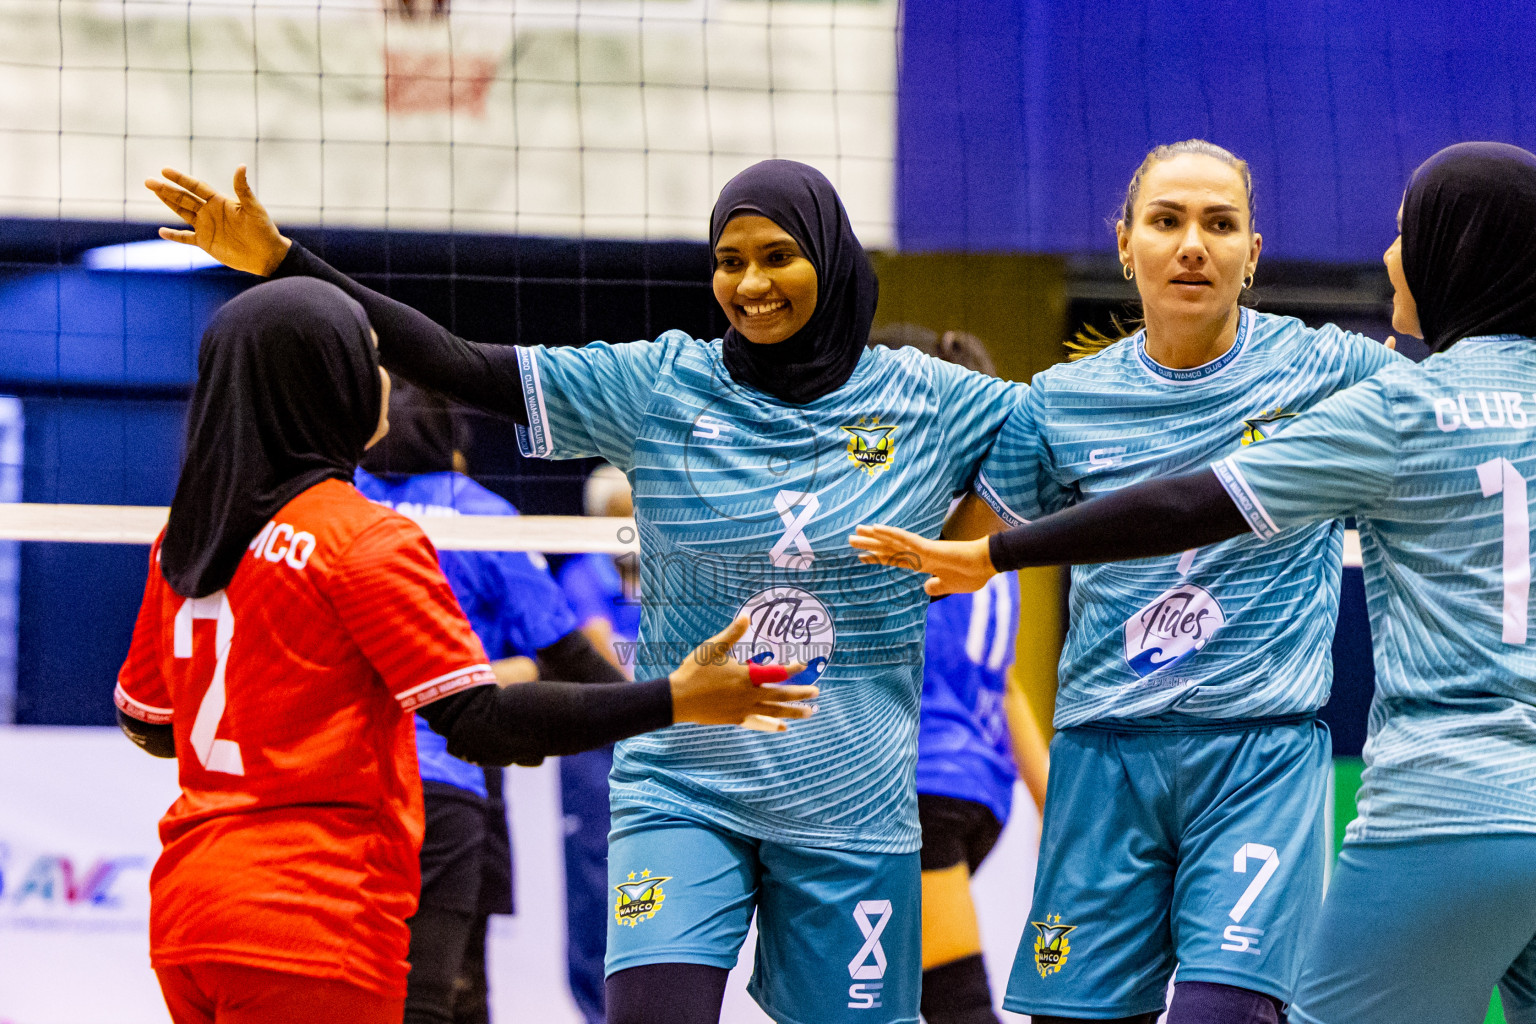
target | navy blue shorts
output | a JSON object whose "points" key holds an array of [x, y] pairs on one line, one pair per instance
{"points": [[1202, 849]]}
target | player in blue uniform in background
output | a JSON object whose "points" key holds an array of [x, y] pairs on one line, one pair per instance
{"points": [[519, 613], [1183, 827], [752, 457], [976, 735], [603, 593], [1434, 899]]}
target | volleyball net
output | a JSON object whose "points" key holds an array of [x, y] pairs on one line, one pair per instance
{"points": [[520, 170]]}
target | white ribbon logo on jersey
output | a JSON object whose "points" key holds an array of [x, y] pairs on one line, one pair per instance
{"points": [[786, 625], [785, 503], [866, 996], [1172, 628]]}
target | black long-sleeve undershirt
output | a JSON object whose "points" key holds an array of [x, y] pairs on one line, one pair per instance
{"points": [[527, 722], [519, 724], [1158, 517], [420, 350], [523, 723]]}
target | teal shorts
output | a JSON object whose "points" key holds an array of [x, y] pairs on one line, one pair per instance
{"points": [[1420, 931], [839, 934], [1201, 848]]}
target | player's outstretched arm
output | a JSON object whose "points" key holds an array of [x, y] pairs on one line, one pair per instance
{"points": [[526, 723], [239, 233], [1157, 517], [953, 566]]}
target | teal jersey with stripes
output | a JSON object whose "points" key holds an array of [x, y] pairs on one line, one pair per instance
{"points": [[744, 505], [1235, 630], [1434, 462]]}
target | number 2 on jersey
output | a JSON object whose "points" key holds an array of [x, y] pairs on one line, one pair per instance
{"points": [[214, 754], [1499, 476]]}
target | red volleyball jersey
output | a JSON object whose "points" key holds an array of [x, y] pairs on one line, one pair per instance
{"points": [[294, 843]]}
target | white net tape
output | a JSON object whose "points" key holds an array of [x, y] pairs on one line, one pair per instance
{"points": [[140, 524]]}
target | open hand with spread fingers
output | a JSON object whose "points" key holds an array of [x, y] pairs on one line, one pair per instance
{"points": [[954, 566], [237, 231], [712, 688]]}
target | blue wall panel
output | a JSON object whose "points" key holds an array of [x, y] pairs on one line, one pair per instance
{"points": [[78, 601], [1020, 122], [82, 328]]}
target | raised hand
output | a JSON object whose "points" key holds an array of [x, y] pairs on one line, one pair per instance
{"points": [[953, 566], [238, 231], [712, 688]]}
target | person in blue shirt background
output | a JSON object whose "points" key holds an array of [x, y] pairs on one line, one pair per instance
{"points": [[976, 735], [520, 614], [603, 591]]}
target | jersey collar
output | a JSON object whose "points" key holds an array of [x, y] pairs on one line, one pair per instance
{"points": [[1477, 339], [1197, 374]]}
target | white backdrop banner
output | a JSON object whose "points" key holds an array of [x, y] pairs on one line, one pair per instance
{"points": [[78, 814], [592, 118]]}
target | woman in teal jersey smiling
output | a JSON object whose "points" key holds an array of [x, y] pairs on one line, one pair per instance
{"points": [[751, 457], [1183, 825]]}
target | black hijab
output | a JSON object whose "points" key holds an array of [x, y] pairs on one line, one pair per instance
{"points": [[817, 359], [287, 395], [1469, 242], [423, 434]]}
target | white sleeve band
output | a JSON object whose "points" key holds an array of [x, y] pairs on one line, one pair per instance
{"points": [[445, 684], [533, 440], [1247, 502], [989, 495], [146, 713]]}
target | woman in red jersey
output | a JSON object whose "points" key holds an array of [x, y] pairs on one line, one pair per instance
{"points": [[289, 627]]}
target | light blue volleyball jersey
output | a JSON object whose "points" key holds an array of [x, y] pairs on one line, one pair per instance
{"points": [[1235, 630], [744, 505], [1434, 463]]}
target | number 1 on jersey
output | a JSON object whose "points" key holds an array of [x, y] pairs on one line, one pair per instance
{"points": [[1499, 476], [214, 754]]}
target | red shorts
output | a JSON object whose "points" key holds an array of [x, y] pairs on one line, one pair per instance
{"points": [[221, 993]]}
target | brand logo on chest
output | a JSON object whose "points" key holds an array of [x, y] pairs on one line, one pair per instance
{"points": [[1262, 428], [872, 445], [1173, 627]]}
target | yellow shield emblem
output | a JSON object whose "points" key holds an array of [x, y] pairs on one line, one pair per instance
{"points": [[872, 445]]}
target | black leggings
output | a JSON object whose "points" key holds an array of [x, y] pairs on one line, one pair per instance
{"points": [[666, 994], [1202, 1002]]}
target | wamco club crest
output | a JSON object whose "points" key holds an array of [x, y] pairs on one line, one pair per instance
{"points": [[639, 898], [1051, 946], [872, 445]]}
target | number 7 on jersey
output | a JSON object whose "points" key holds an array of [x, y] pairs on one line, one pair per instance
{"points": [[214, 754]]}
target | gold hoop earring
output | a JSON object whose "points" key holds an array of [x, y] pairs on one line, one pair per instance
{"points": [[1248, 281], [1125, 268]]}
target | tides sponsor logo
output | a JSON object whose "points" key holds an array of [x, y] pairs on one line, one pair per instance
{"points": [[786, 625], [1175, 626], [639, 897], [43, 889]]}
